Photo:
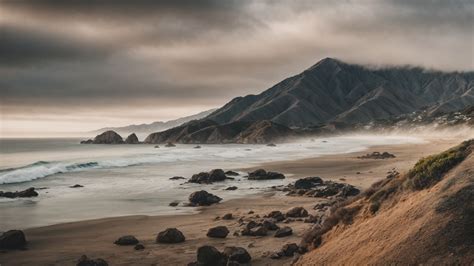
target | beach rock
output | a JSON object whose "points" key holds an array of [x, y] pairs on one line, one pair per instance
{"points": [[271, 145], [139, 247], [76, 186], [174, 203], [170, 236], [218, 232], [157, 146], [177, 178], [231, 173], [277, 215], [377, 155], [290, 249], [227, 216], [237, 254], [132, 139], [108, 137], [209, 255], [297, 212], [259, 231], [127, 240], [27, 193], [308, 182], [270, 224], [261, 174], [197, 147], [232, 188], [169, 144], [85, 261], [215, 175], [203, 198], [89, 141], [285, 231], [13, 239]]}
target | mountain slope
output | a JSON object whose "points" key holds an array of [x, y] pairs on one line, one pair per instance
{"points": [[423, 217], [145, 129], [333, 90]]}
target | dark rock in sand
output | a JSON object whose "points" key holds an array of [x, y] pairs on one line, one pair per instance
{"points": [[227, 216], [203, 198], [139, 247], [285, 231], [27, 193], [277, 215], [126, 241], [270, 224], [13, 239], [177, 178], [108, 137], [290, 249], [261, 174], [231, 173], [132, 139], [169, 144], [218, 232], [377, 155], [170, 236], [209, 255], [312, 219], [85, 261], [255, 231], [297, 212], [237, 254], [308, 182], [232, 188], [76, 186]]}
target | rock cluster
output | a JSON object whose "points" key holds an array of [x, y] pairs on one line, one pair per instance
{"points": [[209, 255], [261, 174], [27, 193], [288, 250], [316, 187], [86, 261], [215, 175], [377, 155]]}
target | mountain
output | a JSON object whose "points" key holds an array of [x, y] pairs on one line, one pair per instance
{"points": [[145, 129], [334, 91], [423, 217]]}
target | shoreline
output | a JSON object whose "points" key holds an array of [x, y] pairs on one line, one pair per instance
{"points": [[64, 243]]}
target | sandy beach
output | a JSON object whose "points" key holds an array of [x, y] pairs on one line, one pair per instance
{"points": [[63, 244]]}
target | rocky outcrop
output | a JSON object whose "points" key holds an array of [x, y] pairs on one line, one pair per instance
{"points": [[108, 137], [170, 236], [261, 174], [27, 193], [377, 155], [316, 187], [13, 239], [203, 198], [132, 139]]}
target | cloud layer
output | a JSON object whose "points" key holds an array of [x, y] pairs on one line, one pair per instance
{"points": [[143, 60]]}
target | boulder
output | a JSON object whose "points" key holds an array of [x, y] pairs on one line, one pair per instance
{"points": [[237, 254], [308, 182], [139, 247], [261, 174], [203, 198], [297, 212], [259, 231], [227, 216], [290, 249], [127, 240], [108, 137], [277, 215], [174, 203], [85, 261], [170, 236], [285, 231], [217, 175], [132, 139], [209, 255], [218, 232], [27, 193], [231, 173], [232, 188], [13, 239], [270, 224]]}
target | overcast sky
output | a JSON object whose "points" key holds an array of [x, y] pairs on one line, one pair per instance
{"points": [[76, 65]]}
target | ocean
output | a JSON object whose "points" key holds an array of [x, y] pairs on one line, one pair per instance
{"points": [[124, 180]]}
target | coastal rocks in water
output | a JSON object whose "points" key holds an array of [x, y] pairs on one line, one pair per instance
{"points": [[127, 240], [308, 182], [271, 145], [297, 212], [132, 139], [237, 254], [218, 232], [232, 188], [89, 141], [209, 255], [277, 215], [261, 174], [108, 137], [174, 203], [76, 186], [27, 193], [203, 198], [285, 231], [215, 175], [231, 173], [169, 144], [85, 261], [170, 236], [177, 178], [377, 155], [13, 239]]}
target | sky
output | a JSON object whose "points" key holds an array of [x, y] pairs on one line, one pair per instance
{"points": [[69, 66]]}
